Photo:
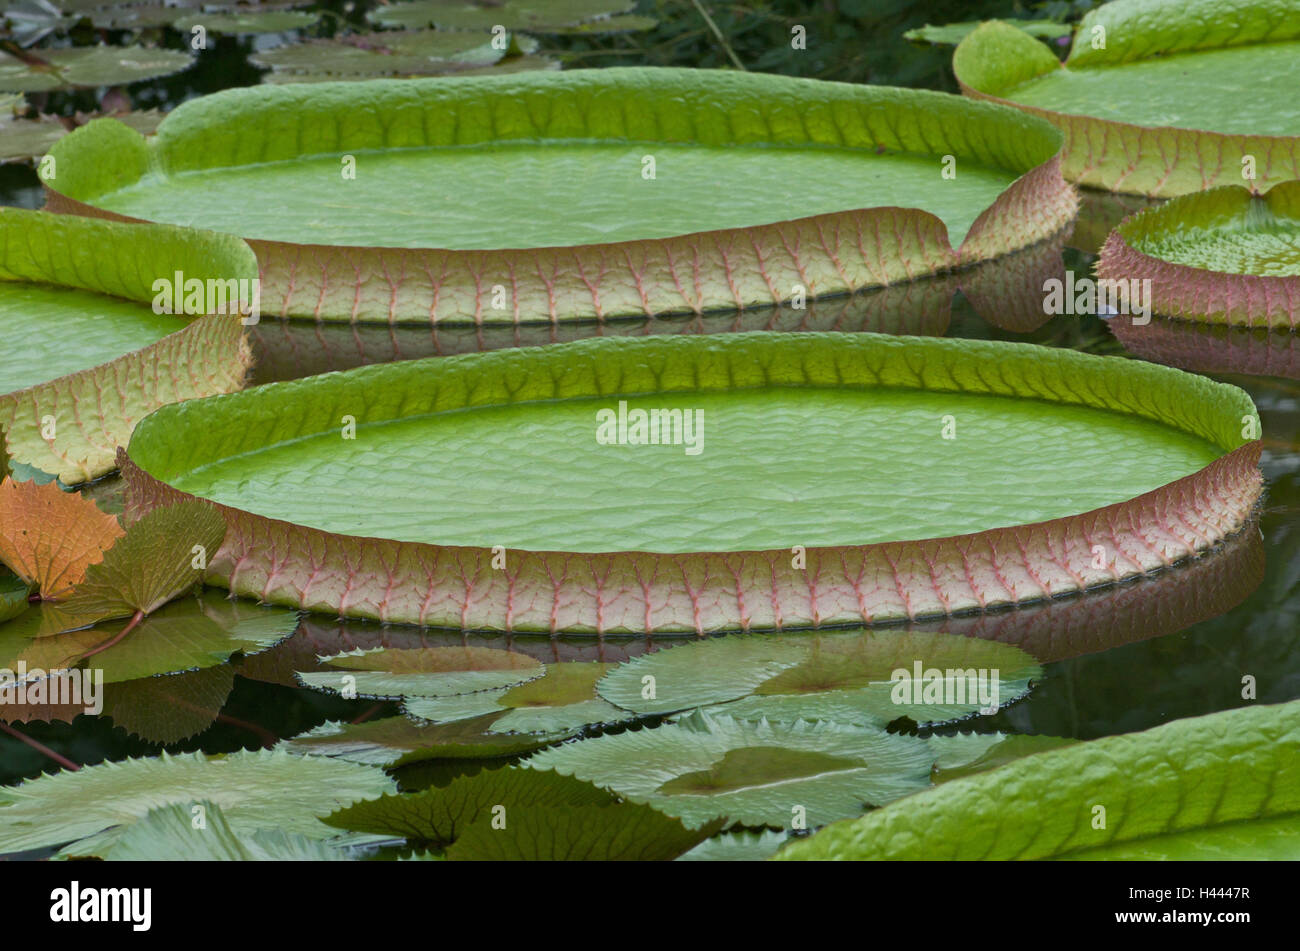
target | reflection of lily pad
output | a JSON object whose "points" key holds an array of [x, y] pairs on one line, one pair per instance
{"points": [[845, 678], [1223, 256], [424, 672], [616, 177], [564, 699], [1050, 456], [256, 790], [185, 635], [87, 66], [1220, 786], [170, 709], [756, 774], [1156, 99]]}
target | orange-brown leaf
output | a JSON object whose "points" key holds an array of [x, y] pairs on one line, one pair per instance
{"points": [[50, 537]]}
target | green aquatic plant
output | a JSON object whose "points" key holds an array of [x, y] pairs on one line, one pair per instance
{"points": [[1222, 785], [615, 207], [1157, 97], [89, 354], [1224, 256], [607, 551]]}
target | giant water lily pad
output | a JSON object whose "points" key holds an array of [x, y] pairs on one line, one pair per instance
{"points": [[103, 357], [799, 502], [53, 69], [1224, 256], [1157, 97], [1220, 786], [581, 194]]}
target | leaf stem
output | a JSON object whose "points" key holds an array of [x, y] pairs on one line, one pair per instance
{"points": [[131, 626], [731, 54], [40, 747]]}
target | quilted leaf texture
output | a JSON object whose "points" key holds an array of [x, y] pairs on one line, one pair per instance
{"points": [[1225, 256], [1150, 98], [659, 592], [71, 426], [689, 269], [1171, 792], [49, 537]]}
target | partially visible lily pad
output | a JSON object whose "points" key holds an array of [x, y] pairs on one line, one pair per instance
{"points": [[965, 754], [424, 672], [866, 678], [743, 846], [241, 23], [51, 69], [562, 700], [170, 834], [539, 16], [1224, 256], [392, 742], [361, 56], [756, 774], [950, 34], [256, 790]]}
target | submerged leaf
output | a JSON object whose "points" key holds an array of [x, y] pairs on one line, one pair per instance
{"points": [[256, 790], [756, 774], [49, 537], [170, 709]]}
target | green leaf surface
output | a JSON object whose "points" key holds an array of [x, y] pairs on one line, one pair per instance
{"points": [[14, 592], [172, 708], [537, 15], [439, 816], [762, 774], [627, 832], [563, 700], [188, 634], [424, 672], [398, 741], [1227, 783], [1053, 435], [742, 846], [102, 359], [965, 754], [88, 66], [870, 204], [868, 678], [1159, 97], [162, 556], [256, 790], [168, 834], [950, 34], [240, 24], [1224, 256]]}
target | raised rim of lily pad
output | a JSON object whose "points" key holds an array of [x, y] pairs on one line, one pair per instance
{"points": [[1158, 161], [826, 254], [1199, 293], [95, 409], [658, 592]]}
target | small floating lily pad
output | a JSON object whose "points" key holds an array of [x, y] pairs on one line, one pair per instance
{"points": [[545, 196], [1156, 98], [867, 678], [51, 69], [756, 774], [539, 16], [424, 672], [1010, 509], [1224, 256]]}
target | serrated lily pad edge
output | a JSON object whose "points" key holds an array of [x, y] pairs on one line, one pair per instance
{"points": [[1106, 154], [1192, 293], [827, 254], [641, 592]]}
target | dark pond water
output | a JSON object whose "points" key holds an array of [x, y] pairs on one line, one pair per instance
{"points": [[1172, 645]]}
